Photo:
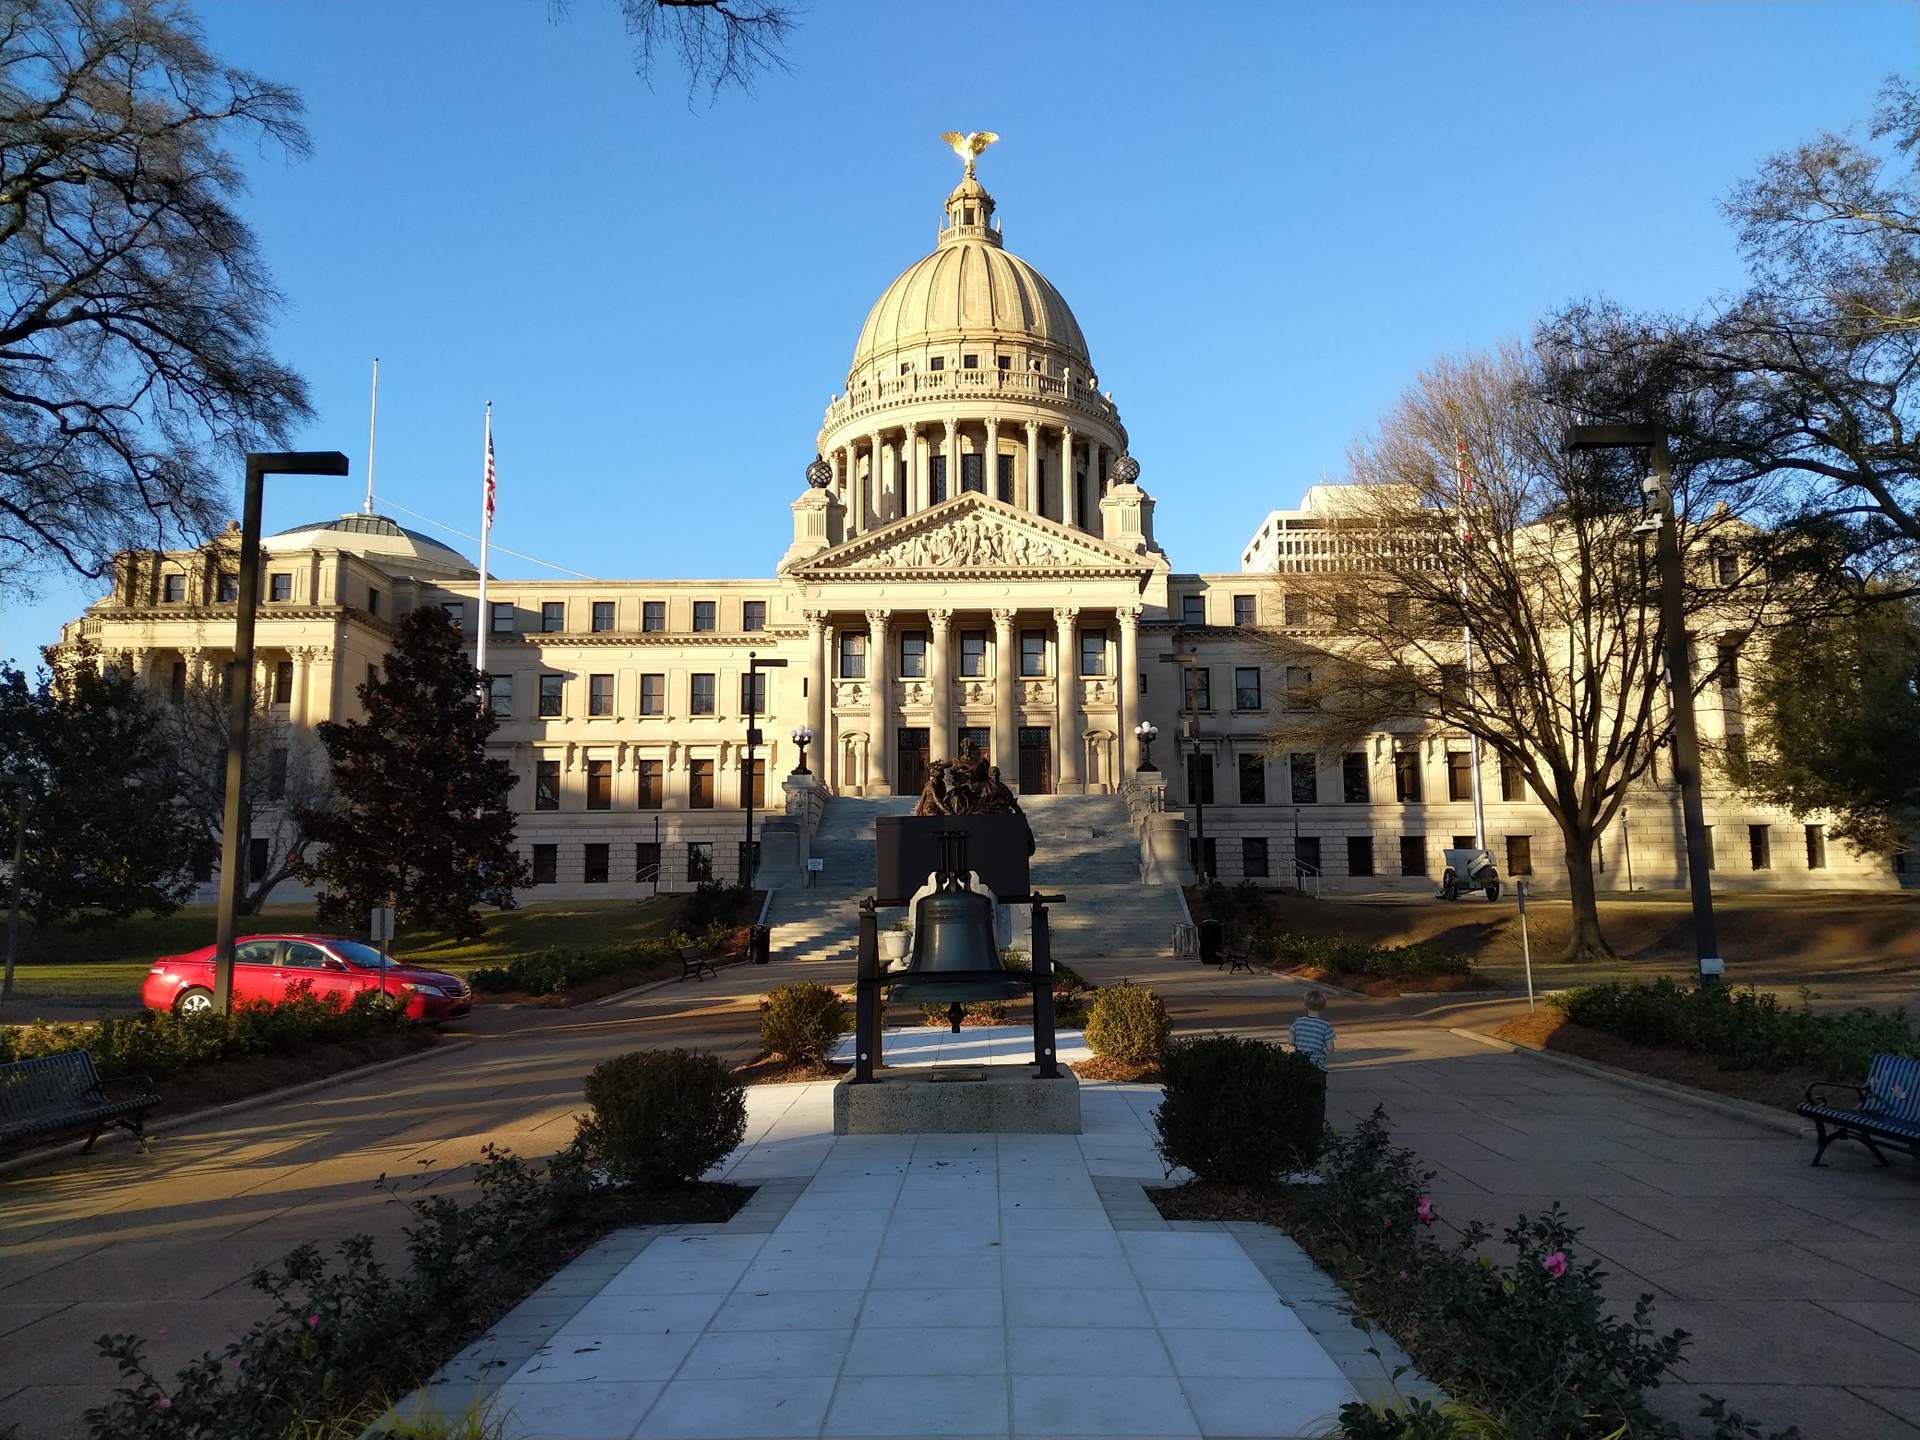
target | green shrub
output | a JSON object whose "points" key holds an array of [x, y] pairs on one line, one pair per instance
{"points": [[802, 1022], [1744, 1028], [1239, 1111], [1128, 1023], [662, 1117], [1421, 960], [554, 972], [714, 904]]}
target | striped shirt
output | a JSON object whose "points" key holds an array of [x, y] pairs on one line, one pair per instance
{"points": [[1313, 1038]]}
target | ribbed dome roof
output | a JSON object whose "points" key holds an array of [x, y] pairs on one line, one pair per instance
{"points": [[374, 536], [969, 287]]}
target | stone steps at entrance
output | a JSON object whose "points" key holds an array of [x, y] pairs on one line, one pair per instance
{"points": [[1084, 848]]}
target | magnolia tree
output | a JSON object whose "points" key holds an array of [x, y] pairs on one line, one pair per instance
{"points": [[1469, 513]]}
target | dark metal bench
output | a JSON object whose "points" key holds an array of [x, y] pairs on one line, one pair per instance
{"points": [[57, 1093], [1238, 953], [1888, 1108], [696, 964]]}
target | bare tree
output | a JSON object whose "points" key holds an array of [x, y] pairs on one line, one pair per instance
{"points": [[288, 780], [133, 305], [717, 43], [1537, 552]]}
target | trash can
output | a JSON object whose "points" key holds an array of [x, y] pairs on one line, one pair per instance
{"points": [[1212, 939], [760, 944]]}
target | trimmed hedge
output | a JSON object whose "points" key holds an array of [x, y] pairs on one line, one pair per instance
{"points": [[1418, 961], [1128, 1023], [161, 1045], [1745, 1028], [1239, 1111], [554, 972], [662, 1117], [802, 1022]]}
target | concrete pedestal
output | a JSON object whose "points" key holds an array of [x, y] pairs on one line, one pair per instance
{"points": [[959, 1100]]}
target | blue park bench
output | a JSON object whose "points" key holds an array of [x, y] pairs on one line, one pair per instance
{"points": [[1888, 1108]]}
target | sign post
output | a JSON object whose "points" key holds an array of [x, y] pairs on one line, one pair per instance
{"points": [[380, 930], [1526, 950]]}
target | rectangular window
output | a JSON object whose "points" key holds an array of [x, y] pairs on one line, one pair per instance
{"points": [[747, 858], [753, 615], [753, 693], [853, 655], [705, 614], [1246, 687], [1727, 670], [1004, 362], [600, 695], [936, 362], [1033, 652], [1726, 566], [500, 621], [1306, 855], [602, 616], [546, 864], [1356, 787], [1193, 610], [546, 784], [700, 861], [1399, 612], [1465, 842], [173, 589], [1200, 778], [913, 654], [1295, 608], [1816, 847], [1003, 475], [700, 784], [653, 615], [1406, 776], [1243, 610], [1760, 846], [1253, 779], [1253, 857], [969, 362], [1512, 785], [937, 472], [1413, 854], [973, 653], [594, 871], [653, 787], [1459, 775], [1359, 855], [1205, 857], [373, 676], [283, 682], [226, 590], [552, 691], [553, 615], [277, 773], [373, 601], [1299, 681], [646, 862], [257, 860], [754, 782], [280, 586], [653, 694], [1306, 778], [500, 696], [599, 784], [456, 613], [1519, 855], [972, 473], [1453, 686], [1093, 652], [1199, 687], [177, 683], [701, 695]]}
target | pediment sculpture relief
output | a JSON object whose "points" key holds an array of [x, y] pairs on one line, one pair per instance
{"points": [[971, 542]]}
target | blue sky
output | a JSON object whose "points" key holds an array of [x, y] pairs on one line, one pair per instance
{"points": [[1266, 218]]}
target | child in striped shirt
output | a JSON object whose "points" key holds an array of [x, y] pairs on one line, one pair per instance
{"points": [[1312, 1036]]}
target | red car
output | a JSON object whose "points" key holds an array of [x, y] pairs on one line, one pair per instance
{"points": [[268, 967]]}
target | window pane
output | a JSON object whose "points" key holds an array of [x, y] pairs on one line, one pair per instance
{"points": [[280, 587], [595, 869], [603, 615], [553, 615], [1093, 652], [1816, 847], [1406, 776], [753, 693], [1306, 778], [1512, 787], [1199, 688], [1253, 779], [1355, 785], [546, 864], [1760, 847], [546, 785], [1193, 610], [653, 694], [700, 861], [1359, 855], [646, 862], [1003, 465], [704, 612], [599, 784], [1253, 857], [283, 682], [1243, 610], [756, 781], [1246, 688], [175, 589], [456, 613], [653, 615], [1033, 652], [1519, 855], [971, 470], [1413, 854], [853, 657], [753, 615], [550, 694], [652, 786], [501, 618], [913, 654], [1200, 778], [701, 702], [973, 653], [600, 695], [500, 695], [228, 590], [1459, 775], [700, 784], [1296, 609]]}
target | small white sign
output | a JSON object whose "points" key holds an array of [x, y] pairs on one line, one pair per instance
{"points": [[816, 865], [380, 931]]}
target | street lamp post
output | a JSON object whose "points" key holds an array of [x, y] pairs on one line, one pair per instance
{"points": [[803, 737], [260, 464], [754, 666], [1146, 732], [13, 879], [1657, 489]]}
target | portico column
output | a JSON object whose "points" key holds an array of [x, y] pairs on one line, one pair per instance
{"points": [[1094, 448], [1033, 466], [853, 491], [952, 454], [1006, 683], [880, 690], [1068, 509], [990, 462], [877, 480], [817, 687], [915, 499], [297, 708], [1126, 684], [1066, 692], [940, 729]]}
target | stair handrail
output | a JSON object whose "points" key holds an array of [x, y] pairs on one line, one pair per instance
{"points": [[1303, 871]]}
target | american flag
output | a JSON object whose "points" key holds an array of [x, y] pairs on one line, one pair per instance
{"points": [[489, 482]]}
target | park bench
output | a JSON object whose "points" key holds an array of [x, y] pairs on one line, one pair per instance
{"points": [[695, 963], [1238, 953], [58, 1093], [1888, 1108]]}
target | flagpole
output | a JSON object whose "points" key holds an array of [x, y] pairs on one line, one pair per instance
{"points": [[1466, 640], [485, 618], [373, 430]]}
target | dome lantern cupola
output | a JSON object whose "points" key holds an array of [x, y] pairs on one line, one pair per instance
{"points": [[969, 214]]}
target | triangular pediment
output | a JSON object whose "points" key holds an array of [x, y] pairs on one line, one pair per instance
{"points": [[976, 536]]}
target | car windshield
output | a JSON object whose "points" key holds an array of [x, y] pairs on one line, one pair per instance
{"points": [[365, 956]]}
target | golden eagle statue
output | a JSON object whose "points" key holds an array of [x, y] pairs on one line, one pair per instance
{"points": [[969, 145]]}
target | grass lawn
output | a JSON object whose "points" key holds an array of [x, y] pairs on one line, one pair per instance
{"points": [[108, 964]]}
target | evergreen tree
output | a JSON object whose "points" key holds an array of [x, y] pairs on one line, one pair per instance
{"points": [[105, 838], [420, 815]]}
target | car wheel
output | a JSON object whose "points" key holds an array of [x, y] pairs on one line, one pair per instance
{"points": [[194, 1000]]}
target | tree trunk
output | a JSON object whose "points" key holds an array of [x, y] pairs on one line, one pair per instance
{"points": [[1584, 940]]}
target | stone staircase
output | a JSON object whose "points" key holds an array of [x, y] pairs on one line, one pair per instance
{"points": [[1084, 848]]}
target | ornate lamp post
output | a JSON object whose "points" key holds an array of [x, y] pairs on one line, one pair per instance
{"points": [[802, 737], [1146, 732]]}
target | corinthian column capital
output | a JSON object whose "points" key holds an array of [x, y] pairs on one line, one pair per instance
{"points": [[1065, 616], [1003, 619], [877, 619], [939, 619]]}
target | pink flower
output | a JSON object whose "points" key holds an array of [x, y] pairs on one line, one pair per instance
{"points": [[1403, 1274], [163, 1403], [313, 1322], [1423, 1212], [1387, 1220], [1555, 1264]]}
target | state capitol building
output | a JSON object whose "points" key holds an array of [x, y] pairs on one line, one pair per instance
{"points": [[973, 559]]}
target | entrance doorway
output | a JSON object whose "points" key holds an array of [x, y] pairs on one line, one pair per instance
{"points": [[982, 738], [1036, 760], [912, 771]]}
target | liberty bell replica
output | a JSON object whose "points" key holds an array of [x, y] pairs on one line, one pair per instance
{"points": [[955, 957]]}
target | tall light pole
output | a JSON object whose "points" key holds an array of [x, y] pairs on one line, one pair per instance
{"points": [[1657, 490], [233, 842], [1189, 662], [13, 881], [754, 666]]}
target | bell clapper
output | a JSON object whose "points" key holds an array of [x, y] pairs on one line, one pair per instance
{"points": [[954, 1016]]}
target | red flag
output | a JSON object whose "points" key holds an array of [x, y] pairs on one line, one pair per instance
{"points": [[489, 500]]}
